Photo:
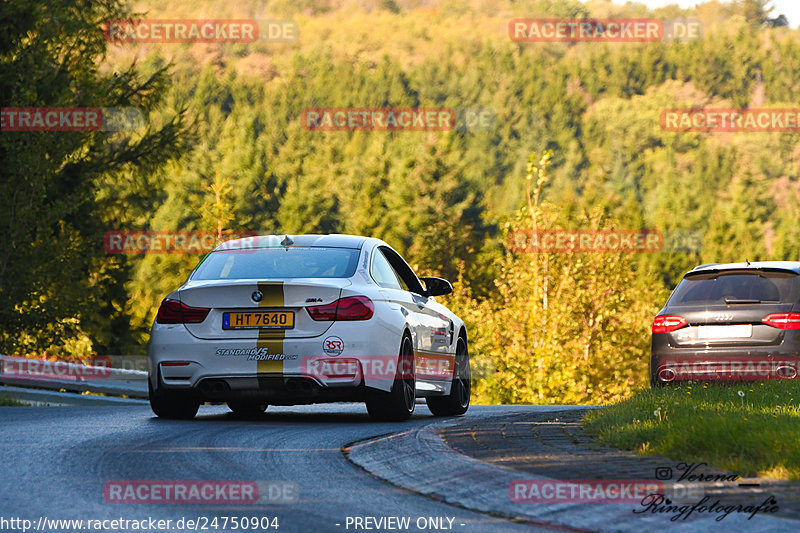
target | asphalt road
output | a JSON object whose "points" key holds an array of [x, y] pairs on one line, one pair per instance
{"points": [[56, 462]]}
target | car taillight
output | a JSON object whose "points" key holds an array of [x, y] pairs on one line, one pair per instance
{"points": [[355, 308], [782, 320], [668, 323], [350, 308], [175, 312]]}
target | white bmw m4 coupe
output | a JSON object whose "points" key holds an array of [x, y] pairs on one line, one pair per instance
{"points": [[300, 319]]}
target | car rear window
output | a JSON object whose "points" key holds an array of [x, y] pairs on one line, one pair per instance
{"points": [[268, 263], [737, 288]]}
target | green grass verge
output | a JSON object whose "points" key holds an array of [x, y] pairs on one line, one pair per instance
{"points": [[8, 402], [754, 434]]}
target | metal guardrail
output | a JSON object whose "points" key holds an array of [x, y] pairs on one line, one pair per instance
{"points": [[110, 375]]}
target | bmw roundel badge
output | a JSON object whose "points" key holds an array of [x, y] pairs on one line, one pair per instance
{"points": [[256, 296]]}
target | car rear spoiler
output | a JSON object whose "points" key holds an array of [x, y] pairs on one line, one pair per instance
{"points": [[764, 272]]}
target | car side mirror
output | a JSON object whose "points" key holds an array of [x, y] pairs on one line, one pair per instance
{"points": [[437, 286]]}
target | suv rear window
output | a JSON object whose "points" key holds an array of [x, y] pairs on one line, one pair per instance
{"points": [[268, 263], [758, 287]]}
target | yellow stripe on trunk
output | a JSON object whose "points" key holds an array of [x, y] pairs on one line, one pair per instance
{"points": [[271, 339]]}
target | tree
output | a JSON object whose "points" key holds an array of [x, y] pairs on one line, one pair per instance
{"points": [[567, 327], [54, 277]]}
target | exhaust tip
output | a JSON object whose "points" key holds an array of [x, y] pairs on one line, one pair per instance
{"points": [[296, 385], [214, 387], [666, 374]]}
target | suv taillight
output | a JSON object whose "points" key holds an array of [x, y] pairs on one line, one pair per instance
{"points": [[175, 312], [350, 308], [782, 320], [668, 323]]}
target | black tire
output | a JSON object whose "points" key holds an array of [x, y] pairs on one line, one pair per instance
{"points": [[399, 403], [457, 402], [174, 405], [247, 408]]}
